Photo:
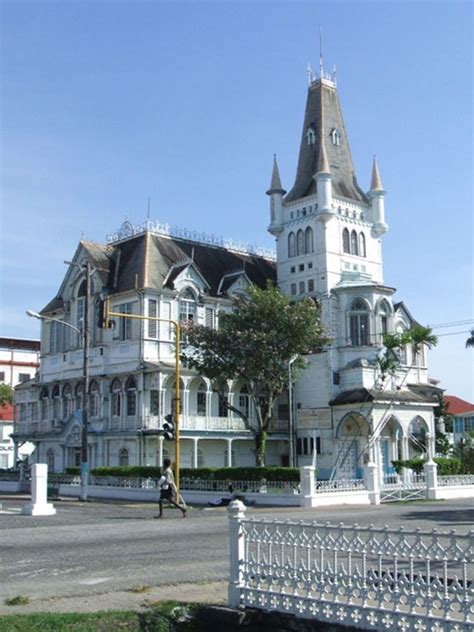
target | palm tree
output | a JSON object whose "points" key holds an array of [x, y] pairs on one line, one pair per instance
{"points": [[470, 340]]}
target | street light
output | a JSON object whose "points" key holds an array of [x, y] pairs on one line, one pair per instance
{"points": [[85, 389], [290, 411]]}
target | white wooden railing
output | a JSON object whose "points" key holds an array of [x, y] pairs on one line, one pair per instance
{"points": [[366, 577]]}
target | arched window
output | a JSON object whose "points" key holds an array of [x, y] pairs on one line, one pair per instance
{"points": [[244, 401], [308, 240], [131, 393], [123, 457], [300, 243], [116, 392], [78, 396], [201, 400], [310, 136], [362, 251], [50, 459], [346, 247], [44, 403], [67, 401], [359, 323], [93, 399], [56, 403], [383, 313], [291, 245], [80, 308], [187, 307], [354, 244]]}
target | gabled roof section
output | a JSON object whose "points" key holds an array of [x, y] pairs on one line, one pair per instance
{"points": [[401, 307], [232, 278], [324, 116], [458, 406], [178, 269]]}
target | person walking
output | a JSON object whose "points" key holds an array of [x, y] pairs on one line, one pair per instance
{"points": [[168, 489]]}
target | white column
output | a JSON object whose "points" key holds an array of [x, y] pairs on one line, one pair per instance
{"points": [[39, 505], [229, 452], [195, 454], [236, 512], [308, 488], [431, 469]]}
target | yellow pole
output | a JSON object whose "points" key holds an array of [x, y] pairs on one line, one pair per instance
{"points": [[108, 315]]}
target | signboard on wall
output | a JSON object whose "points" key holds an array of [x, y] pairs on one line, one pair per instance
{"points": [[314, 418]]}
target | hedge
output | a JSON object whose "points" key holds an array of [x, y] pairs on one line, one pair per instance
{"points": [[204, 473], [446, 467]]}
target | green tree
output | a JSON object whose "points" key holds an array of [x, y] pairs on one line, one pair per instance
{"points": [[6, 394], [470, 340], [254, 343]]}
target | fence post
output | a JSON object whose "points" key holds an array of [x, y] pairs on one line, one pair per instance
{"points": [[431, 477], [308, 488], [371, 477], [39, 505], [236, 512]]}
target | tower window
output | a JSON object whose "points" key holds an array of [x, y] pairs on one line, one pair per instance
{"points": [[362, 251], [310, 136], [300, 243], [345, 241], [308, 240], [291, 245], [359, 323], [292, 269], [354, 243], [301, 267], [301, 287], [310, 285], [335, 137], [293, 289], [310, 265]]}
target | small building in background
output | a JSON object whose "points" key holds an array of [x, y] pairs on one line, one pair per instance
{"points": [[19, 361]]}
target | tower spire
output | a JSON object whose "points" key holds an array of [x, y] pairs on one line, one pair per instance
{"points": [[376, 182], [320, 51], [275, 184]]}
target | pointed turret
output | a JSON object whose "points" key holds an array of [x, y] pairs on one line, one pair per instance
{"points": [[323, 104], [276, 193], [376, 182], [377, 201], [275, 184]]}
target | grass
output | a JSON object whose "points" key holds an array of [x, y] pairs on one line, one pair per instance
{"points": [[163, 617], [19, 600]]}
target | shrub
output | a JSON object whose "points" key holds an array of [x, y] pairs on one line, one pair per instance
{"points": [[74, 471], [205, 473], [446, 466]]}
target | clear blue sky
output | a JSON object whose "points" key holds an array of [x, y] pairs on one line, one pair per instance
{"points": [[107, 103]]}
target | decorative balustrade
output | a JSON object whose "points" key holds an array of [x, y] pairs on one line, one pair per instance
{"points": [[413, 480], [457, 479], [366, 577], [342, 485], [261, 487]]}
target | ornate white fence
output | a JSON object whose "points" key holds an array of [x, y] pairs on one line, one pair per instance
{"points": [[340, 485], [456, 479], [367, 577]]}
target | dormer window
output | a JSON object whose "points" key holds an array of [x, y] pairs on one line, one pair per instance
{"points": [[187, 307], [335, 137], [311, 136]]}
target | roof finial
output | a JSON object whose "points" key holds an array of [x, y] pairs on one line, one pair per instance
{"points": [[320, 51], [275, 185]]}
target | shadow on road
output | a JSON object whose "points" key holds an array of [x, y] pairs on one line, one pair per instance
{"points": [[441, 516]]}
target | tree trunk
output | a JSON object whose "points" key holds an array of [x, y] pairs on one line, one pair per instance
{"points": [[260, 448]]}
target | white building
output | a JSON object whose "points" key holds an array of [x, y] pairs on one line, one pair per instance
{"points": [[145, 271], [329, 245], [19, 361]]}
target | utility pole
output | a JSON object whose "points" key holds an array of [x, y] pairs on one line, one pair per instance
{"points": [[85, 386]]}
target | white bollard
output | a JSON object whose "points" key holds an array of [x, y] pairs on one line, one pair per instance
{"points": [[371, 476], [308, 487], [236, 511], [39, 505], [431, 477]]}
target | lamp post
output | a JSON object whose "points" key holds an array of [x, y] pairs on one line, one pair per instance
{"points": [[290, 411], [84, 336]]}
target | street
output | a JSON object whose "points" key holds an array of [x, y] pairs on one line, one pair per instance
{"points": [[95, 547]]}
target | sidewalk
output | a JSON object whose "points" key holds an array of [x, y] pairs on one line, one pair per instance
{"points": [[211, 592]]}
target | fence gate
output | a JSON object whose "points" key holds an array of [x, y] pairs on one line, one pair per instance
{"points": [[394, 488]]}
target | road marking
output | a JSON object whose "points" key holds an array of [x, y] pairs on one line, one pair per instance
{"points": [[95, 580]]}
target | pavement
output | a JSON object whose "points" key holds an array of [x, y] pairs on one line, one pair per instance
{"points": [[138, 599], [115, 555]]}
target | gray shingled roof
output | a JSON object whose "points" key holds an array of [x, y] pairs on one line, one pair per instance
{"points": [[145, 261], [362, 395], [323, 104]]}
